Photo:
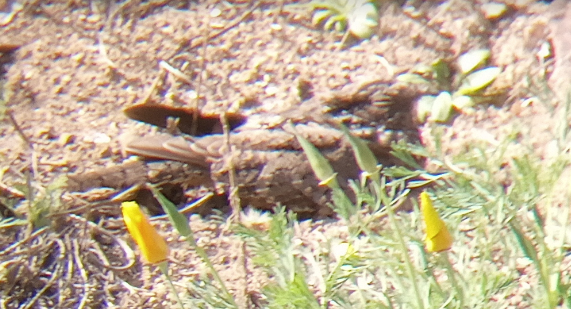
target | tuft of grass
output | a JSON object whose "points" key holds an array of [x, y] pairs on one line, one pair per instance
{"points": [[273, 251], [46, 203]]}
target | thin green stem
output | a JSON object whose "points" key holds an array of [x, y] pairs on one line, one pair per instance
{"points": [[408, 262], [164, 267], [180, 222], [206, 260], [452, 276], [430, 273]]}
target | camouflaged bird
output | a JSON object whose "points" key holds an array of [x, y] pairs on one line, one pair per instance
{"points": [[269, 165]]}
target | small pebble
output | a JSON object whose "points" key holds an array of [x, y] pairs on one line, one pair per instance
{"points": [[65, 139], [493, 10], [97, 138], [271, 90], [215, 12]]}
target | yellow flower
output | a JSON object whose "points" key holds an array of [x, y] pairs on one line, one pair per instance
{"points": [[153, 247], [437, 236]]}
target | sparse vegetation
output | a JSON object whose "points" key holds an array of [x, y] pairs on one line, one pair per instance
{"points": [[459, 91], [358, 17]]}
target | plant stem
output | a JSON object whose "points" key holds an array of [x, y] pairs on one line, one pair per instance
{"points": [[408, 262], [452, 276], [164, 267], [206, 260]]}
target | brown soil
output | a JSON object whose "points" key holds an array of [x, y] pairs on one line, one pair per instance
{"points": [[75, 66]]}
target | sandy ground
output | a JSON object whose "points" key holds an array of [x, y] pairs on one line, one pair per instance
{"points": [[71, 68]]}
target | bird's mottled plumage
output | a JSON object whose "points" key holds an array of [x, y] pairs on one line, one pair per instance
{"points": [[269, 165]]}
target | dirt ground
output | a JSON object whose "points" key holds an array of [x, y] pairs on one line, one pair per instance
{"points": [[71, 67]]}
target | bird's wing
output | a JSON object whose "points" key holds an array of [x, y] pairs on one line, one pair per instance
{"points": [[167, 147]]}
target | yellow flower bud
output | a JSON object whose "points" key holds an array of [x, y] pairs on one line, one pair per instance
{"points": [[437, 236], [153, 247]]}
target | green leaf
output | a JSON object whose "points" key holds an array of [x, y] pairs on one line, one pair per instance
{"points": [[406, 152], [412, 78], [463, 102], [442, 107], [441, 71], [363, 21], [340, 26], [400, 172], [424, 107], [478, 80], [343, 205], [525, 244], [178, 220], [472, 59], [336, 21], [418, 183], [321, 167], [319, 16], [422, 69], [363, 154]]}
